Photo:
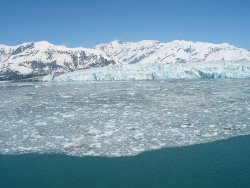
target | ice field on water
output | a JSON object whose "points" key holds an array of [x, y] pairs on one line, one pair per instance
{"points": [[120, 118]]}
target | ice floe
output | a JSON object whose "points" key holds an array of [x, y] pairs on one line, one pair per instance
{"points": [[120, 118]]}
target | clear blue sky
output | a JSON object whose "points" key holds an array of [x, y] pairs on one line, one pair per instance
{"points": [[89, 22]]}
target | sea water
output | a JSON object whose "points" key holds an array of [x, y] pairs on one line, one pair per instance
{"points": [[116, 119], [219, 164]]}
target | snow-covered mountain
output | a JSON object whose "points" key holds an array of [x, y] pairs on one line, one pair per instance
{"points": [[42, 58], [149, 51]]}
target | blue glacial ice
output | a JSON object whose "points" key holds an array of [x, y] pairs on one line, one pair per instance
{"points": [[240, 69]]}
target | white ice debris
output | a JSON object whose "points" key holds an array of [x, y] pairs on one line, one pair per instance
{"points": [[120, 118]]}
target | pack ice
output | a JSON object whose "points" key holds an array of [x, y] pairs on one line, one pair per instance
{"points": [[120, 118]]}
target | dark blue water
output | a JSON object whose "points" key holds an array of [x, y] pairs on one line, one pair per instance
{"points": [[219, 164]]}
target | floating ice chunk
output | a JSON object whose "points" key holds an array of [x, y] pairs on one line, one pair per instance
{"points": [[66, 96], [68, 115], [31, 93], [41, 123], [93, 132]]}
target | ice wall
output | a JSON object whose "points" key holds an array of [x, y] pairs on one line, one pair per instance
{"points": [[240, 69]]}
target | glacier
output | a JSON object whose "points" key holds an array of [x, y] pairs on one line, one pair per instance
{"points": [[157, 71], [141, 60]]}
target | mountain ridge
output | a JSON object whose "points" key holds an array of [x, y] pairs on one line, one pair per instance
{"points": [[32, 59]]}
